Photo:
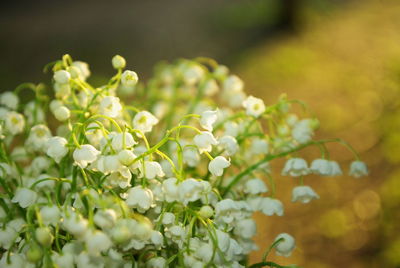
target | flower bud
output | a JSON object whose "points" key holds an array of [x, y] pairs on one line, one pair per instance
{"points": [[62, 76], [62, 113], [118, 62], [44, 236], [206, 212], [34, 254]]}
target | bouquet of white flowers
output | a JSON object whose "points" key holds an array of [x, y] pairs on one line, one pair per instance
{"points": [[169, 179]]}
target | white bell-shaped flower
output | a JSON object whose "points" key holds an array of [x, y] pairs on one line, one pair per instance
{"points": [[75, 224], [50, 215], [140, 198], [335, 169], [229, 144], [151, 170], [85, 155], [245, 228], [225, 210], [295, 167], [254, 106], [9, 100], [129, 78], [62, 76], [105, 219], [56, 148], [144, 121], [271, 206], [321, 167], [97, 242], [255, 186], [110, 106], [190, 190], [156, 262], [303, 131], [286, 246], [170, 188], [303, 194], [204, 141], [38, 137], [217, 165], [208, 118], [358, 169], [14, 122], [259, 146], [83, 68], [191, 156], [233, 83], [117, 142], [24, 197]]}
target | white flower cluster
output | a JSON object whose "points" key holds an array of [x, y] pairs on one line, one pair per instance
{"points": [[167, 179]]}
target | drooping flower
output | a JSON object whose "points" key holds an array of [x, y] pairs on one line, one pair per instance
{"points": [[25, 197], [217, 165], [229, 143], [303, 194], [9, 100], [286, 246], [144, 121], [208, 118], [151, 170], [204, 141], [118, 143], [56, 148], [295, 167], [170, 189], [140, 198], [14, 122], [38, 137], [85, 155], [190, 190], [97, 242], [358, 169], [255, 186], [110, 106]]}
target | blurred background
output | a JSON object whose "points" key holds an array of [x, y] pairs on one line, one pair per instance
{"points": [[342, 57]]}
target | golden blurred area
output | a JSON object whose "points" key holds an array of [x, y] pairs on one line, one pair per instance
{"points": [[346, 66]]}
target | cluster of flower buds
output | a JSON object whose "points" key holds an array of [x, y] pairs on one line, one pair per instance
{"points": [[164, 179]]}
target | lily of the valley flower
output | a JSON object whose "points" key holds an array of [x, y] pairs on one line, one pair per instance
{"points": [[110, 106], [303, 194], [140, 198], [254, 106], [14, 122], [217, 165], [25, 197], [129, 78], [85, 155], [204, 141], [208, 118], [358, 169], [295, 167], [144, 121], [56, 148], [286, 246]]}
